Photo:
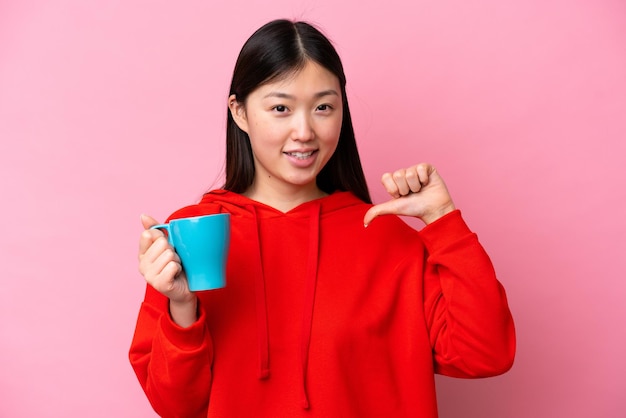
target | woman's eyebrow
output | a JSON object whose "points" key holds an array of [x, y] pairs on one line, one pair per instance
{"points": [[329, 92], [281, 95]]}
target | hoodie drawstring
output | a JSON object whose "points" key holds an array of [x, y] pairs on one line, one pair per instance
{"points": [[309, 296], [261, 304], [309, 300]]}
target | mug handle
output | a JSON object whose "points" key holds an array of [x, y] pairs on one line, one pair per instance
{"points": [[166, 228]]}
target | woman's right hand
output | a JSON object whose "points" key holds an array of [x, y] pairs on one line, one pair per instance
{"points": [[160, 266]]}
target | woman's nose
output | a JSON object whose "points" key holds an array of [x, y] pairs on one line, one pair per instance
{"points": [[302, 128]]}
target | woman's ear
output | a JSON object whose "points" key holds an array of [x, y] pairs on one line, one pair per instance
{"points": [[238, 112]]}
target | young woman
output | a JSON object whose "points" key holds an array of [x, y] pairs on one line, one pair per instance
{"points": [[330, 309]]}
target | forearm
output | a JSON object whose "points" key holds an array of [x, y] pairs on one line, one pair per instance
{"points": [[470, 323], [173, 364], [179, 373]]}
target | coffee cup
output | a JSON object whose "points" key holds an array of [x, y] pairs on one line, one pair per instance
{"points": [[202, 244]]}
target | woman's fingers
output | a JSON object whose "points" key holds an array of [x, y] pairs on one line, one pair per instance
{"points": [[156, 256], [407, 180], [159, 263], [416, 191], [423, 173]]}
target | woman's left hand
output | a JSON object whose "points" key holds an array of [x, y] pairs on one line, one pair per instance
{"points": [[417, 191]]}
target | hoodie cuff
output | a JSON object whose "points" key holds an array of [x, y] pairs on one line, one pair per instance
{"points": [[186, 339], [445, 231]]}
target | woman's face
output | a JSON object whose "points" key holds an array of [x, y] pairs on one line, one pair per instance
{"points": [[294, 126]]}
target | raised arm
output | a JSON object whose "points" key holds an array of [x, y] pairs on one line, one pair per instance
{"points": [[470, 324]]}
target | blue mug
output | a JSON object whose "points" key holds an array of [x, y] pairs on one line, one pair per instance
{"points": [[202, 244]]}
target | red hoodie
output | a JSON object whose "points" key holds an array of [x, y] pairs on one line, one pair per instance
{"points": [[322, 317]]}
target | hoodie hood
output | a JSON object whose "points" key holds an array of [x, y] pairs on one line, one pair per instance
{"points": [[239, 205], [312, 212]]}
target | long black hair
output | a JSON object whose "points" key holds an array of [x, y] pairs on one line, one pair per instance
{"points": [[274, 51]]}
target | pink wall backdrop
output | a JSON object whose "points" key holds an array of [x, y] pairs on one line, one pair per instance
{"points": [[113, 108]]}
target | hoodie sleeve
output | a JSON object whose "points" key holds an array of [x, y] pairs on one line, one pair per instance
{"points": [[470, 324], [173, 364]]}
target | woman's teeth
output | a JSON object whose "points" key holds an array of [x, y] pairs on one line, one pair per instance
{"points": [[300, 155]]}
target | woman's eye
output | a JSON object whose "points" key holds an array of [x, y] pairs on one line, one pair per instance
{"points": [[324, 108], [280, 108]]}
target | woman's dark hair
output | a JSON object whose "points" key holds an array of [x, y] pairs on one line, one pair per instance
{"points": [[276, 50]]}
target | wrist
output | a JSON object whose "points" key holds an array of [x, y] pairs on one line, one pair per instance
{"points": [[439, 213], [184, 313]]}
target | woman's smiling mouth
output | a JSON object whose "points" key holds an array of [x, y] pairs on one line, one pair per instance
{"points": [[299, 154]]}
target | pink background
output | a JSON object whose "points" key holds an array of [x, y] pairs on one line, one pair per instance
{"points": [[110, 109]]}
